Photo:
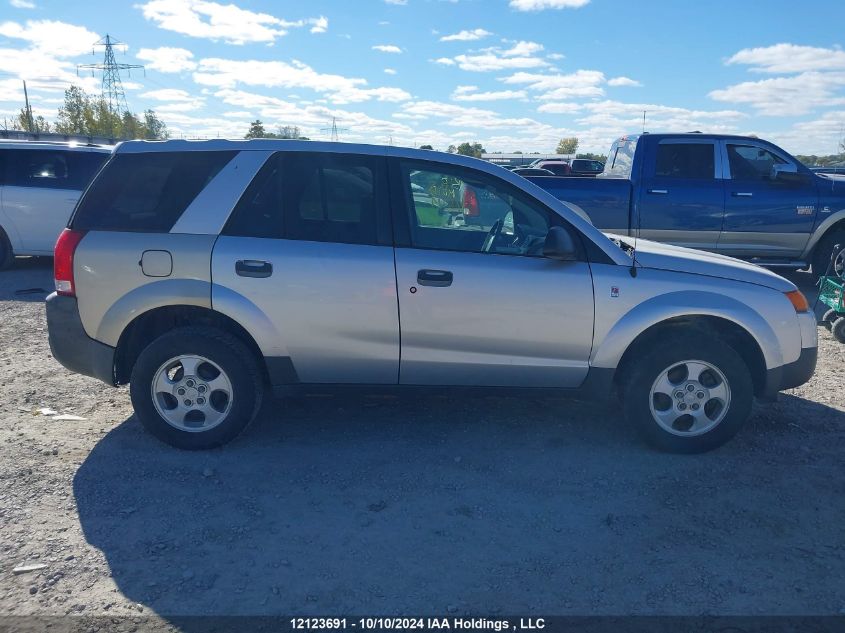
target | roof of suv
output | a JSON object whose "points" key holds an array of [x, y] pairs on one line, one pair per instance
{"points": [[66, 145]]}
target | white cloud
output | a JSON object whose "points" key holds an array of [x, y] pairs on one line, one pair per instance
{"points": [[566, 107], [389, 71], [789, 58], [226, 22], [493, 95], [445, 61], [539, 5], [321, 25], [387, 48], [520, 55], [466, 36], [468, 93], [22, 4], [581, 83], [624, 81], [52, 37], [399, 2], [169, 94], [227, 73], [311, 118], [555, 56], [466, 117], [787, 96], [166, 59]]}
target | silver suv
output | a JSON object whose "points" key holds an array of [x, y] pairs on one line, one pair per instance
{"points": [[204, 273]]}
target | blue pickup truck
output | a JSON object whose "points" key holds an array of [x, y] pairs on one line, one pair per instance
{"points": [[736, 195]]}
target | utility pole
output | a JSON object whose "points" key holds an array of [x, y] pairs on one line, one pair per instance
{"points": [[112, 87], [334, 130], [29, 122]]}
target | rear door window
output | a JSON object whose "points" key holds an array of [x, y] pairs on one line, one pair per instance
{"points": [[147, 191], [315, 197], [686, 160], [53, 169]]}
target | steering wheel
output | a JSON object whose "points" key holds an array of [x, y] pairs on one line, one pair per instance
{"points": [[492, 235]]}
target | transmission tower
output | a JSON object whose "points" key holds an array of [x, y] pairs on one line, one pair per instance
{"points": [[112, 87], [334, 130]]}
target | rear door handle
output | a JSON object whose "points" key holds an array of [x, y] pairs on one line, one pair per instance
{"points": [[742, 194], [438, 278], [660, 191], [253, 268]]}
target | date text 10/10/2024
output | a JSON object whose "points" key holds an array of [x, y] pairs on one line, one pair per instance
{"points": [[419, 624]]}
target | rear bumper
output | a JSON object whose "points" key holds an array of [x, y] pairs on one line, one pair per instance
{"points": [[792, 374], [71, 346]]}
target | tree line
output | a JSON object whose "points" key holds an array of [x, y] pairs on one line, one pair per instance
{"points": [[85, 115]]}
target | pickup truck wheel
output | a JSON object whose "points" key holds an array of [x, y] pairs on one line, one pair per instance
{"points": [[7, 256], [688, 396], [196, 388], [824, 252]]}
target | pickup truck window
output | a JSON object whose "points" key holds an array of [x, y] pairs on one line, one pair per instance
{"points": [[621, 159], [686, 160], [749, 162]]}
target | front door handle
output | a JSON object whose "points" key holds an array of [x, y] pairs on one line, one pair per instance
{"points": [[438, 278], [659, 191], [253, 268], [742, 194]]}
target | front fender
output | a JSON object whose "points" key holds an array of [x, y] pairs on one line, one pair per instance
{"points": [[685, 303], [820, 230]]}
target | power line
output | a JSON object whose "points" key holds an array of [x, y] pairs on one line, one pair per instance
{"points": [[112, 87]]}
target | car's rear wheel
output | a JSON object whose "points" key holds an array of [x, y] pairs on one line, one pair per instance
{"points": [[196, 387], [688, 396]]}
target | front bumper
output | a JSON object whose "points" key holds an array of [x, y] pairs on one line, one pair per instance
{"points": [[792, 374], [71, 346]]}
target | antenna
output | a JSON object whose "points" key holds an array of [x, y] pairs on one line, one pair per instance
{"points": [[644, 111], [334, 130], [636, 200], [112, 87]]}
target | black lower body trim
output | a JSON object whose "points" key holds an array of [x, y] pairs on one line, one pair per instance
{"points": [[792, 374], [71, 346], [281, 371]]}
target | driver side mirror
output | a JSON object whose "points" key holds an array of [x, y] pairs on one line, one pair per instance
{"points": [[559, 245], [786, 172]]}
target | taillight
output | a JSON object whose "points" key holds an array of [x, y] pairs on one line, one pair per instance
{"points": [[470, 202], [63, 261]]}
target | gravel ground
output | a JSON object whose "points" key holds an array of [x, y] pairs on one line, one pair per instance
{"points": [[385, 506]]}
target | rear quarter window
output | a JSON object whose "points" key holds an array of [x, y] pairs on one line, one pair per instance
{"points": [[147, 191], [52, 169]]}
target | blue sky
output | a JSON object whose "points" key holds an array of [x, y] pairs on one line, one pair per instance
{"points": [[512, 74]]}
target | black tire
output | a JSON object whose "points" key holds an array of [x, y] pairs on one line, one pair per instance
{"points": [[7, 256], [652, 361], [229, 353], [829, 317], [824, 251], [837, 328]]}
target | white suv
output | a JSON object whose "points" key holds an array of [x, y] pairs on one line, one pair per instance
{"points": [[40, 184]]}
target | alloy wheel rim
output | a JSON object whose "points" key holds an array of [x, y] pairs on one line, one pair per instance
{"points": [[192, 393], [690, 398]]}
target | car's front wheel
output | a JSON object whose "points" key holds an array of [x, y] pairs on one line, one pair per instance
{"points": [[196, 387], [688, 396]]}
